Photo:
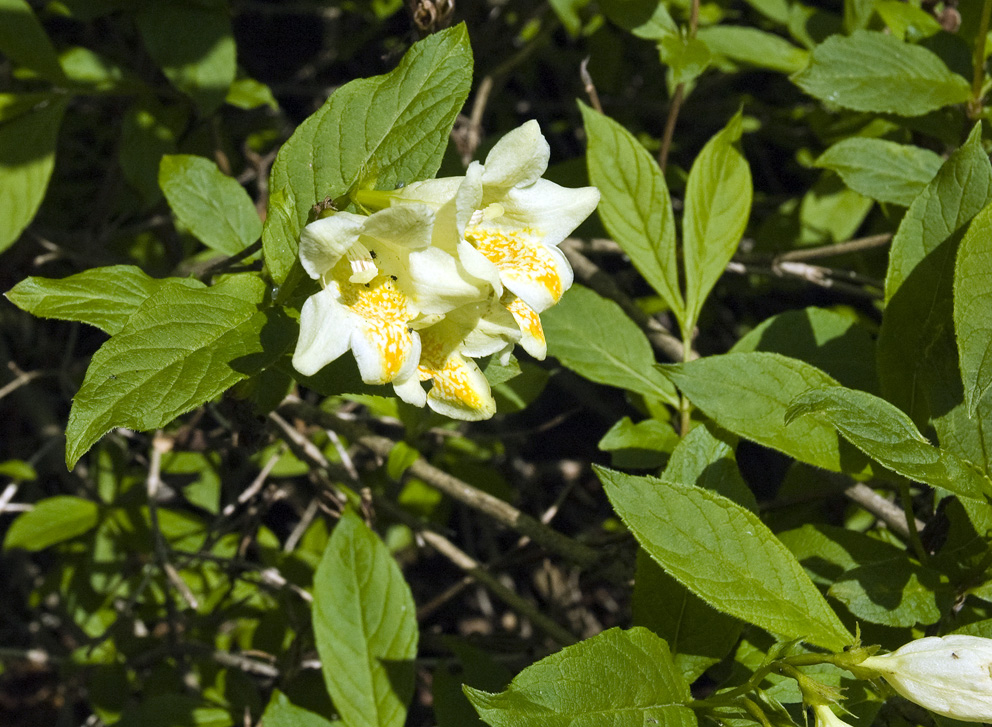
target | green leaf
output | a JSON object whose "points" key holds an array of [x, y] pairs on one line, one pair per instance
{"points": [[837, 343], [724, 554], [644, 445], [193, 44], [875, 580], [635, 206], [870, 71], [17, 469], [755, 47], [888, 436], [27, 157], [594, 337], [24, 41], [53, 520], [706, 460], [215, 208], [365, 627], [648, 19], [149, 131], [473, 666], [374, 132], [181, 347], [101, 297], [717, 205], [247, 93], [973, 309], [283, 713], [880, 169], [749, 394], [916, 348], [579, 686], [685, 57], [907, 22], [568, 13], [93, 73], [698, 635]]}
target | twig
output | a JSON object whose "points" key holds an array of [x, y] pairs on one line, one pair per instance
{"points": [[485, 503], [589, 85], [841, 248], [161, 445], [662, 340], [465, 562], [472, 134], [255, 486], [23, 377], [884, 509], [673, 115], [815, 274]]}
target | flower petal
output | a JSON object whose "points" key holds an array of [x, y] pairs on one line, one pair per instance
{"points": [[518, 159], [532, 271], [486, 328], [405, 226], [434, 193], [551, 210], [383, 343], [324, 242], [326, 327], [531, 330], [460, 390], [411, 391]]}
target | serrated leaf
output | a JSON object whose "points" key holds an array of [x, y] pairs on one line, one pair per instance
{"points": [[595, 338], [755, 47], [698, 635], [365, 626], [916, 348], [24, 41], [579, 686], [181, 347], [51, 521], [882, 170], [374, 132], [644, 445], [973, 309], [870, 71], [874, 579], [635, 206], [838, 344], [193, 44], [27, 157], [210, 204], [889, 436], [102, 297], [724, 554], [705, 460], [717, 206], [749, 393], [685, 57], [648, 19], [282, 713]]}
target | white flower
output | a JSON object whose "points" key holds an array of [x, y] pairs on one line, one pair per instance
{"points": [[512, 218], [825, 717], [949, 675], [381, 281], [459, 389]]}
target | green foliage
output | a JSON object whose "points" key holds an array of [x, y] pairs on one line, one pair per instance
{"points": [[53, 520], [725, 555], [211, 205], [592, 336], [871, 71], [365, 627], [579, 685], [779, 338]]}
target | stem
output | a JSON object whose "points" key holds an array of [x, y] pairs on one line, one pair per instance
{"points": [[914, 535], [501, 511], [679, 95], [975, 103]]}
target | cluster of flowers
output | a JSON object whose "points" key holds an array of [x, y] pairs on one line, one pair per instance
{"points": [[442, 272], [948, 675]]}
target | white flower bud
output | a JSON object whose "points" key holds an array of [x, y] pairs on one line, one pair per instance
{"points": [[949, 675], [825, 717]]}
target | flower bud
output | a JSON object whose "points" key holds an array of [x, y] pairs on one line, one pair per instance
{"points": [[949, 675], [825, 717]]}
